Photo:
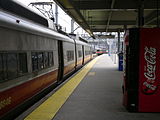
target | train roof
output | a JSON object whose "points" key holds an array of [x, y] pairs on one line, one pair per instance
{"points": [[17, 23], [75, 37], [17, 16], [79, 40], [82, 43], [17, 8]]}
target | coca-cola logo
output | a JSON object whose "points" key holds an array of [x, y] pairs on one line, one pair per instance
{"points": [[149, 86]]}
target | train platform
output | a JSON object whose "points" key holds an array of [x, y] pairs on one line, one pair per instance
{"points": [[94, 93]]}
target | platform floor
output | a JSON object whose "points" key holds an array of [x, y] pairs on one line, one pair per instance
{"points": [[99, 96]]}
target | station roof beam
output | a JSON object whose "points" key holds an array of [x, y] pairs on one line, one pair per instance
{"points": [[110, 15]]}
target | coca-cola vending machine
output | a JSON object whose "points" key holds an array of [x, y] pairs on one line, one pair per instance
{"points": [[141, 90]]}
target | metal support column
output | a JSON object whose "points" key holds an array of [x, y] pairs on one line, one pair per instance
{"points": [[141, 13], [125, 27], [118, 41], [56, 13], [72, 26]]}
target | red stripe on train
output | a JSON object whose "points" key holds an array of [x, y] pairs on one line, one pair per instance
{"points": [[16, 95]]}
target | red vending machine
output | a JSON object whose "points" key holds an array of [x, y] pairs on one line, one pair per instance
{"points": [[141, 90]]}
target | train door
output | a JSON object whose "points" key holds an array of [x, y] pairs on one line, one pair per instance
{"points": [[75, 44], [60, 61], [83, 54], [90, 52]]}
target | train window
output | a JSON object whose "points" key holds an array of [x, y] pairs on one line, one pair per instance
{"points": [[87, 52], [50, 58], [1, 68], [46, 59], [34, 61], [12, 65], [40, 61], [4, 61], [79, 53], [70, 55], [22, 63]]}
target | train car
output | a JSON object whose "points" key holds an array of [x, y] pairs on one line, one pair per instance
{"points": [[33, 60], [79, 54], [83, 51], [100, 52], [28, 60], [87, 53], [69, 58]]}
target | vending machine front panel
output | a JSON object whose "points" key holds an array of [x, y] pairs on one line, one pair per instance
{"points": [[149, 70]]}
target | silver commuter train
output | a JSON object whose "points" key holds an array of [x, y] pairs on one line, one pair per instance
{"points": [[33, 59]]}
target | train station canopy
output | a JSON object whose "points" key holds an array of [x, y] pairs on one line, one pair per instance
{"points": [[111, 15]]}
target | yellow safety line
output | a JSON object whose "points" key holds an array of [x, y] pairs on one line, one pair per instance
{"points": [[50, 107], [91, 73]]}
